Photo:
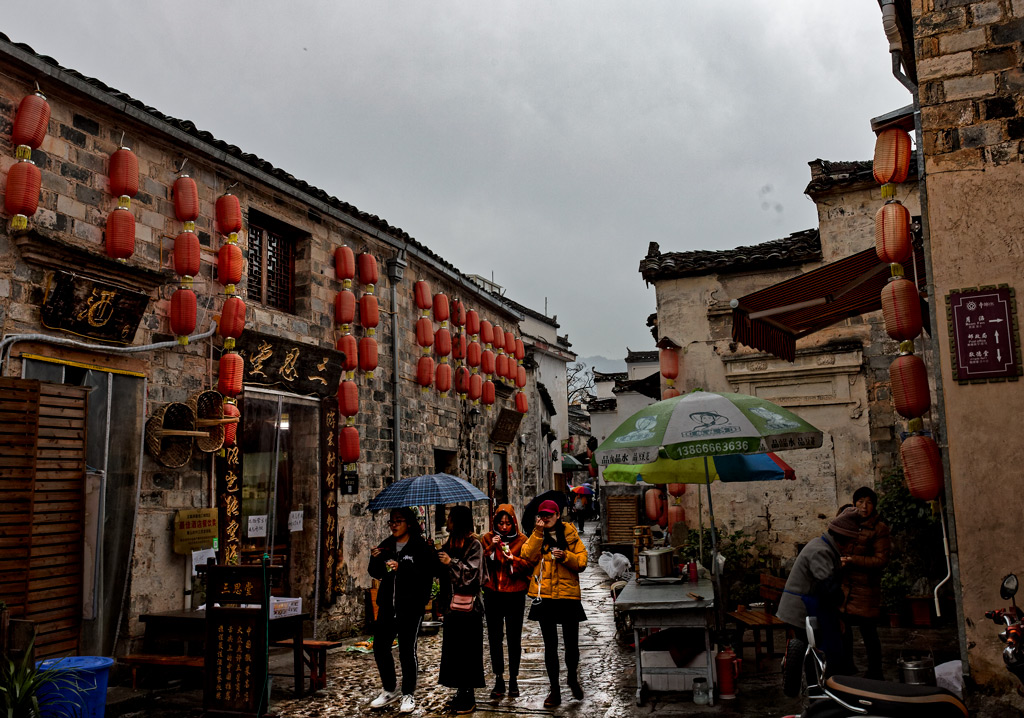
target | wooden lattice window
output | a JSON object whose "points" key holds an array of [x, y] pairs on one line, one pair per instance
{"points": [[271, 263]]}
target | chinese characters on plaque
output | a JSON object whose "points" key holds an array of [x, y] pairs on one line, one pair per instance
{"points": [[294, 367], [92, 309], [229, 493], [330, 465], [983, 336]]}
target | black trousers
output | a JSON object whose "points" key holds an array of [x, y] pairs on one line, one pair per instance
{"points": [[504, 612], [571, 641], [406, 627], [873, 646]]}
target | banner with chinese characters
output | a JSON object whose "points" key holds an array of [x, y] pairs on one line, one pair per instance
{"points": [[194, 529], [229, 504], [330, 466], [92, 309], [299, 368]]}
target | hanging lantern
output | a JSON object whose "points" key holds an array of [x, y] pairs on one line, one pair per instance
{"points": [[348, 445], [120, 234], [124, 173], [510, 343], [345, 265], [521, 404], [520, 376], [442, 311], [229, 266], [520, 350], [512, 370], [668, 362], [349, 346], [443, 379], [425, 372], [425, 333], [501, 366], [229, 214], [462, 381], [486, 333], [487, 393], [458, 313], [421, 292], [476, 387], [901, 308], [676, 514], [232, 321], [344, 309], [186, 199], [654, 503], [909, 380], [186, 256], [922, 466], [669, 393], [472, 323], [498, 338], [892, 156], [369, 313], [231, 430], [487, 362], [368, 270], [459, 345], [677, 489], [892, 233], [368, 355], [473, 355], [21, 199], [31, 121], [183, 314], [348, 400], [443, 343], [229, 374]]}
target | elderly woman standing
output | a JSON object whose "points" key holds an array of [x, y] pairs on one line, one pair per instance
{"points": [[463, 574]]}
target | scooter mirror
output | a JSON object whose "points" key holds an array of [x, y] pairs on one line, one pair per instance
{"points": [[1009, 588]]}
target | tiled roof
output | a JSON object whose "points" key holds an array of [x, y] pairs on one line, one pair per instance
{"points": [[826, 175], [602, 405], [649, 386], [797, 248], [633, 357], [545, 397], [530, 312], [610, 375]]}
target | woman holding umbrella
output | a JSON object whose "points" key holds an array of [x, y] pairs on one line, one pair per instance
{"points": [[463, 574]]}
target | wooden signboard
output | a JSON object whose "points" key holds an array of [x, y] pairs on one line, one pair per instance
{"points": [[329, 554], [506, 427], [983, 334], [229, 504], [299, 368], [92, 309], [194, 529]]}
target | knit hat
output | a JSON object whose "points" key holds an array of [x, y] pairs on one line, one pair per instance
{"points": [[865, 492], [845, 524], [548, 507]]}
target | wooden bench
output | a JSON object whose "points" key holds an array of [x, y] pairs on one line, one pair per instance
{"points": [[762, 619], [154, 659], [315, 657]]}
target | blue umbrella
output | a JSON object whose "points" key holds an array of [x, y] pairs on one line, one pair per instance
{"points": [[426, 490]]}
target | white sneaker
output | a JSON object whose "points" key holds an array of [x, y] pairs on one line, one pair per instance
{"points": [[408, 704], [385, 698]]}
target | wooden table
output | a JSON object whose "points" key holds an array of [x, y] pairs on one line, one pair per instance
{"points": [[668, 605], [189, 627]]}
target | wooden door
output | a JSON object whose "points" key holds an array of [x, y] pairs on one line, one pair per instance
{"points": [[622, 515], [42, 508]]}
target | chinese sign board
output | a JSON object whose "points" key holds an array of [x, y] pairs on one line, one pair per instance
{"points": [[92, 309], [294, 367], [984, 338], [194, 529], [229, 496], [330, 464], [506, 427]]}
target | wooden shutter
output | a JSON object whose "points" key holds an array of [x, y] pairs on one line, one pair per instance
{"points": [[42, 508], [622, 517]]}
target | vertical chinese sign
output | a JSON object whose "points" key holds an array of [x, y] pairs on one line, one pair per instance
{"points": [[329, 501], [229, 503]]}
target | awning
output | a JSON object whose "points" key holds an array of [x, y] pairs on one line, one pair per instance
{"points": [[774, 318]]}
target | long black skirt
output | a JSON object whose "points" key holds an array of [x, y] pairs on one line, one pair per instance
{"points": [[462, 650]]}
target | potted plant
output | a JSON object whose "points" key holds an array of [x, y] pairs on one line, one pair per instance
{"points": [[26, 689]]}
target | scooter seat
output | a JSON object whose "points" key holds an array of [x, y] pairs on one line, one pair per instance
{"points": [[896, 699]]}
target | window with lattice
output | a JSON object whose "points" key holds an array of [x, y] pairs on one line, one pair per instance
{"points": [[271, 262]]}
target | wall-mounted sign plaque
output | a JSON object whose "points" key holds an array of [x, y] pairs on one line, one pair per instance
{"points": [[299, 368], [92, 309], [983, 334]]}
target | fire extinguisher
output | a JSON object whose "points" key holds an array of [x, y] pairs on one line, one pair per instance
{"points": [[728, 667]]}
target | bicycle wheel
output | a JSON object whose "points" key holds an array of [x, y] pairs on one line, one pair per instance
{"points": [[793, 667]]}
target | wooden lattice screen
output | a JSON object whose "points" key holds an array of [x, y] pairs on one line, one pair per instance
{"points": [[622, 517], [42, 508]]}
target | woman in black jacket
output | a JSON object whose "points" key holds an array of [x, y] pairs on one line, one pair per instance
{"points": [[405, 565]]}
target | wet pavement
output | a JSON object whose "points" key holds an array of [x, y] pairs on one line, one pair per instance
{"points": [[607, 673]]}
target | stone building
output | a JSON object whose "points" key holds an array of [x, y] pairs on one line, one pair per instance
{"points": [[282, 489]]}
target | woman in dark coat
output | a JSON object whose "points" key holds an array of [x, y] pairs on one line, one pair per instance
{"points": [[463, 573], [863, 563]]}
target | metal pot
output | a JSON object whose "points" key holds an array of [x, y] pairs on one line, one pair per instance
{"points": [[919, 671], [656, 563]]}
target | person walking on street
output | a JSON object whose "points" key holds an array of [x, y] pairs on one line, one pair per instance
{"points": [[560, 556], [863, 563], [505, 597], [405, 565], [580, 507], [462, 574]]}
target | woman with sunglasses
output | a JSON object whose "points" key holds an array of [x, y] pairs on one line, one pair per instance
{"points": [[405, 565]]}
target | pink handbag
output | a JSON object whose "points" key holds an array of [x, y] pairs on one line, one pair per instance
{"points": [[462, 603]]}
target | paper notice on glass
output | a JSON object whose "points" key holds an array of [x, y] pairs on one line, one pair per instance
{"points": [[295, 520], [200, 558], [257, 526]]}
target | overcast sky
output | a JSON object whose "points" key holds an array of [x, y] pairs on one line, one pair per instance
{"points": [[544, 142]]}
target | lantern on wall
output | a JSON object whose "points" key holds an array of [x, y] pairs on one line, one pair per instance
{"points": [[487, 393], [443, 344], [231, 430], [462, 381], [369, 313], [675, 514], [677, 489], [487, 362], [124, 175], [486, 333], [909, 379], [458, 313], [425, 372], [183, 314], [498, 338], [473, 355], [425, 333], [22, 195], [442, 310], [669, 393], [476, 387], [892, 233], [922, 466], [348, 445], [348, 400], [501, 366], [368, 274], [443, 379], [120, 234], [345, 309], [892, 156], [510, 343], [229, 374], [521, 404], [232, 321], [901, 309], [459, 345], [368, 355], [472, 323], [520, 376], [186, 199], [349, 346], [421, 292], [654, 504], [520, 350], [668, 363], [345, 265], [229, 266], [229, 215], [186, 256], [31, 121]]}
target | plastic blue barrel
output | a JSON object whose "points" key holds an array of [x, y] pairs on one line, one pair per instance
{"points": [[89, 674]]}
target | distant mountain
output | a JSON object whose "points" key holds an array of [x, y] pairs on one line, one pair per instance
{"points": [[603, 364]]}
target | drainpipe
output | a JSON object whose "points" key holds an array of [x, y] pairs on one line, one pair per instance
{"points": [[396, 270], [892, 33]]}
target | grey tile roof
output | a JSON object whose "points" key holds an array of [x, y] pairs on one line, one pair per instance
{"points": [[602, 405], [633, 357], [797, 248], [827, 175]]}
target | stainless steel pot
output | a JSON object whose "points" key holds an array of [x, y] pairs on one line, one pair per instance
{"points": [[656, 562]]}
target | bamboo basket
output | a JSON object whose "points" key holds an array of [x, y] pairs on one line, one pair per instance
{"points": [[170, 433], [208, 407]]}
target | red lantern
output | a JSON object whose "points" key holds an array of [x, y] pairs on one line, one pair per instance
{"points": [[22, 195], [487, 362], [654, 504], [231, 430], [520, 376], [892, 233], [677, 489], [676, 514], [520, 350], [424, 332], [229, 214], [348, 444], [345, 265], [472, 322], [349, 346], [229, 374], [922, 466], [421, 292], [473, 354], [186, 199], [442, 311], [120, 239], [443, 343], [486, 333], [487, 393], [462, 381], [369, 313], [31, 120], [501, 366], [443, 380], [522, 406], [668, 362], [425, 372], [458, 313], [510, 343], [498, 338], [344, 308], [186, 254], [348, 399], [229, 266], [901, 308], [183, 314], [459, 347], [368, 268], [476, 387], [892, 156], [512, 370], [368, 355], [909, 379], [232, 320], [669, 393], [124, 173]]}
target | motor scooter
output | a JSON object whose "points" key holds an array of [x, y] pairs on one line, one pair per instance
{"points": [[1011, 635]]}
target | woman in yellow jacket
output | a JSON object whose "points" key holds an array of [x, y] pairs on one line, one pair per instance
{"points": [[560, 557]]}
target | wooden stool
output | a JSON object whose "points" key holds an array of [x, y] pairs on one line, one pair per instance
{"points": [[314, 656]]}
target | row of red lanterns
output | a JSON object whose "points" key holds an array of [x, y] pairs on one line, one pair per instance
{"points": [[228, 212], [21, 198], [124, 184]]}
